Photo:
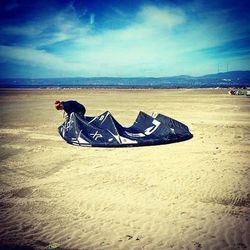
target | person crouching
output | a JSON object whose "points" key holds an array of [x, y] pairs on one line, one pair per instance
{"points": [[69, 107]]}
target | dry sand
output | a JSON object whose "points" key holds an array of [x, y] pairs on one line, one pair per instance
{"points": [[189, 195]]}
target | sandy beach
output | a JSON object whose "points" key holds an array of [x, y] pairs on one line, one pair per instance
{"points": [[189, 195]]}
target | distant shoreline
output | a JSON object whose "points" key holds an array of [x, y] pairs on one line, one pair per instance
{"points": [[122, 87], [237, 79]]}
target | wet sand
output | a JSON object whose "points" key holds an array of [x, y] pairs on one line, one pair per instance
{"points": [[188, 195]]}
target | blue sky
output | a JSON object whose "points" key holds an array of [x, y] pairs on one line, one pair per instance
{"points": [[123, 38]]}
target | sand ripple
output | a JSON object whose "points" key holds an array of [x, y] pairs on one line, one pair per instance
{"points": [[190, 195]]}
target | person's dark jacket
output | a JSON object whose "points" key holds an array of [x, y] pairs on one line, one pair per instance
{"points": [[73, 106]]}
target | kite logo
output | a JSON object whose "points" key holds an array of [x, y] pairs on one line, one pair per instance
{"points": [[150, 130], [135, 135], [172, 131], [69, 124], [96, 135]]}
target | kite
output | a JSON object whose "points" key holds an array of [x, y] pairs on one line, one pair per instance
{"points": [[104, 131]]}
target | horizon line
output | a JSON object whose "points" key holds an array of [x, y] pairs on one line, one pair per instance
{"points": [[181, 75]]}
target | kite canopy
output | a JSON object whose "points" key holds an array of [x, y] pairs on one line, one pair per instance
{"points": [[105, 131]]}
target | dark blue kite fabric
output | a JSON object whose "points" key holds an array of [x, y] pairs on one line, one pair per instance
{"points": [[105, 131]]}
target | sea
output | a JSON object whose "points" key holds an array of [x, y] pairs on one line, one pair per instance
{"points": [[124, 83]]}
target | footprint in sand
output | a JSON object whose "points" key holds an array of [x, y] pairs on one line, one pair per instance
{"points": [[22, 192]]}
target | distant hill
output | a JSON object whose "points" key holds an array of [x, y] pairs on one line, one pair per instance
{"points": [[222, 79], [230, 75]]}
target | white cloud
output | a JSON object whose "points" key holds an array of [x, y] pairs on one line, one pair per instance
{"points": [[36, 58], [165, 18], [157, 42], [143, 45], [23, 30], [57, 28], [92, 19]]}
